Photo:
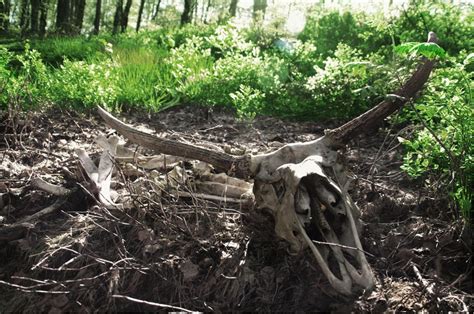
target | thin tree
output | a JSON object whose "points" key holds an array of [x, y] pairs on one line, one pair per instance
{"points": [[72, 13], [157, 9], [195, 11], [24, 13], [43, 19], [105, 4], [118, 16], [79, 9], [34, 16], [140, 14], [125, 13], [4, 15], [233, 7], [63, 11], [98, 8], [187, 15], [206, 13]]}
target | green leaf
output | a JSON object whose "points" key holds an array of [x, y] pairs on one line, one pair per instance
{"points": [[429, 50], [469, 59]]}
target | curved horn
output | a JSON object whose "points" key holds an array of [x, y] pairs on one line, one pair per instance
{"points": [[237, 165], [368, 119]]}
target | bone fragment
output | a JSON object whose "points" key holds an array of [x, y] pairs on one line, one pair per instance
{"points": [[57, 190]]}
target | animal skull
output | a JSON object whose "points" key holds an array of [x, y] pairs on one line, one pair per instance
{"points": [[304, 186], [306, 198]]}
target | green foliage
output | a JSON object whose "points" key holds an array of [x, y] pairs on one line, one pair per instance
{"points": [[248, 101], [346, 86], [81, 84], [142, 78], [223, 68], [327, 29], [264, 36], [25, 87], [231, 78], [304, 58], [172, 37], [5, 75], [429, 50], [443, 150], [454, 24], [55, 50]]}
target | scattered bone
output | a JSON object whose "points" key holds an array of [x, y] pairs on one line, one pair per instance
{"points": [[40, 184], [100, 177]]}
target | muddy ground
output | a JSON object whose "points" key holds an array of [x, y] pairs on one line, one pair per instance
{"points": [[173, 253]]}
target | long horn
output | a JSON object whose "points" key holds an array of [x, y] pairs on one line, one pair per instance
{"points": [[407, 92], [236, 165]]}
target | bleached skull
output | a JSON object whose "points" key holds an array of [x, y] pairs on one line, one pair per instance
{"points": [[307, 200]]}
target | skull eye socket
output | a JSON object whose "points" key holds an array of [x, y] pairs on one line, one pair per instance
{"points": [[302, 211], [280, 189]]}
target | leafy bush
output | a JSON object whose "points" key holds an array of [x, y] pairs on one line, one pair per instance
{"points": [[188, 64], [346, 86], [81, 84], [442, 151], [25, 87], [227, 40], [327, 29], [264, 35], [5, 75], [248, 101], [239, 75], [454, 24], [173, 37]]}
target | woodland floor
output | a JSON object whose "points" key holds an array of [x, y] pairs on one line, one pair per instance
{"points": [[205, 256]]}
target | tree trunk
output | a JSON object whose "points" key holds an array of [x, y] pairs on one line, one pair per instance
{"points": [[126, 12], [24, 12], [118, 16], [104, 4], [43, 17], [157, 9], [72, 14], [233, 7], [80, 6], [63, 15], [140, 14], [98, 7], [4, 15], [187, 15], [195, 11], [259, 8], [34, 16], [206, 14]]}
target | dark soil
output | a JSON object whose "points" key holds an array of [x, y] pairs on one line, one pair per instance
{"points": [[198, 255]]}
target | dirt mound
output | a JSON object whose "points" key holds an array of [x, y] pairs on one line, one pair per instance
{"points": [[190, 254]]}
